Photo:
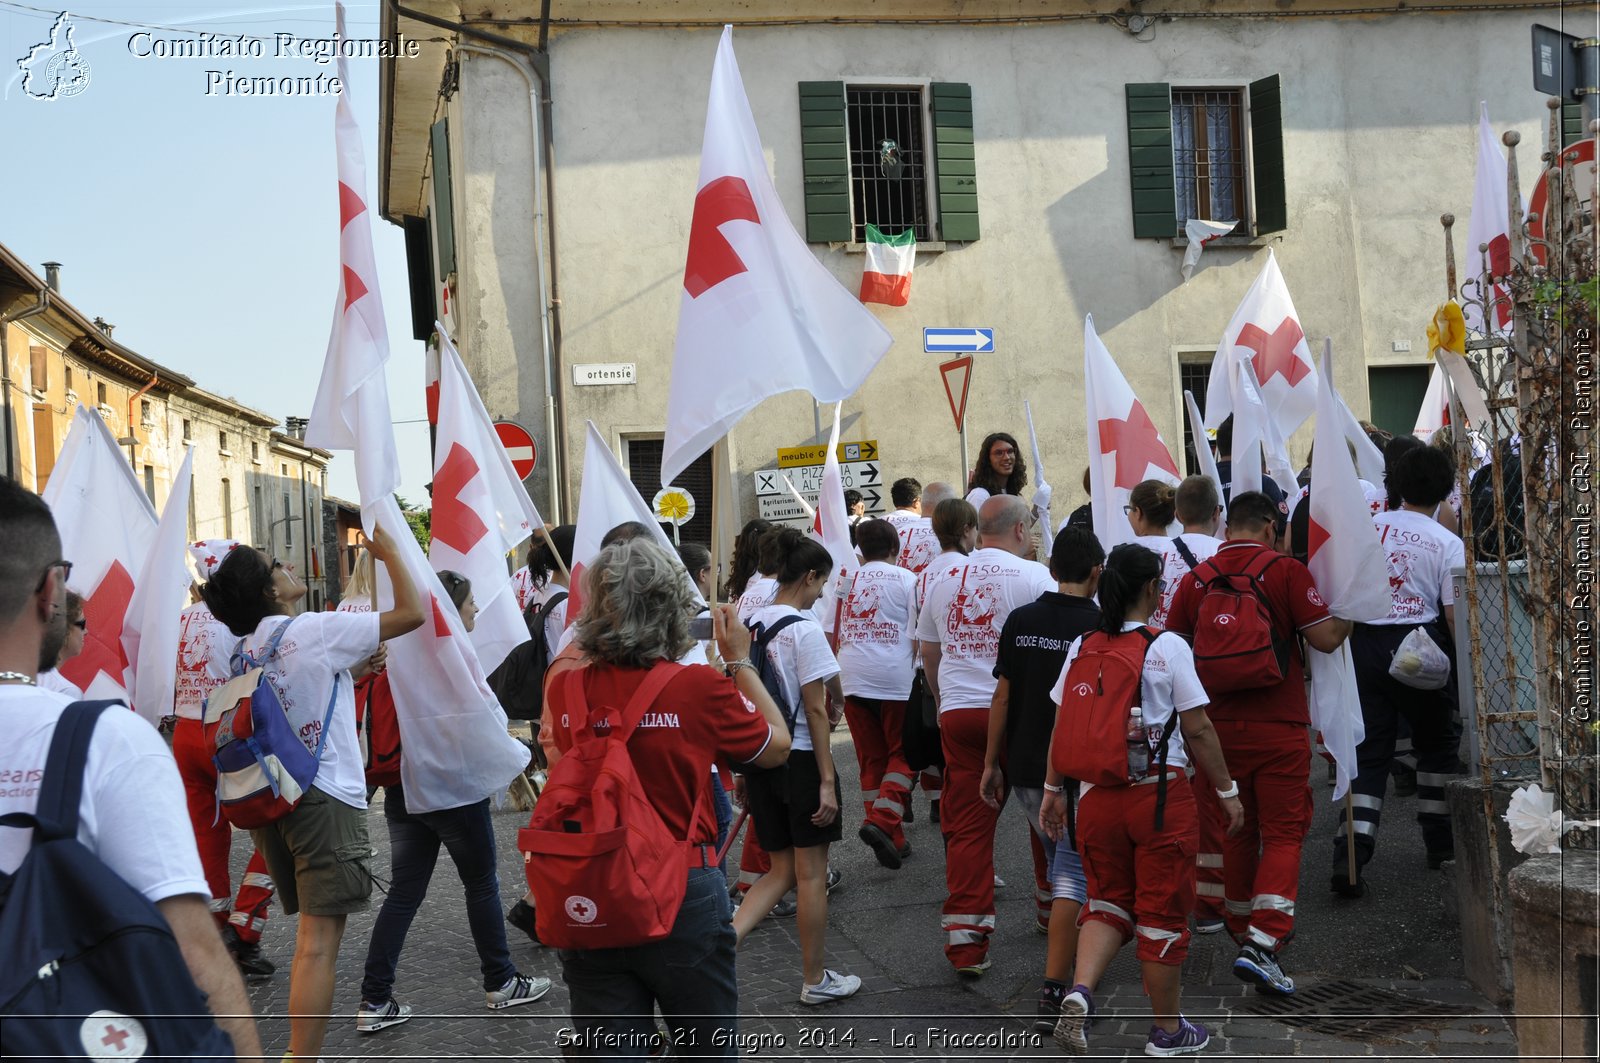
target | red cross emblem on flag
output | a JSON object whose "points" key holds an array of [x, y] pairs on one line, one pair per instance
{"points": [[1275, 353], [712, 258], [1137, 445], [104, 611], [454, 523]]}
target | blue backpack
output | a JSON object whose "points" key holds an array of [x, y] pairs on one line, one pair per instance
{"points": [[91, 968]]}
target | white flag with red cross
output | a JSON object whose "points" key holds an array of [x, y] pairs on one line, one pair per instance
{"points": [[759, 314], [1489, 223], [481, 510], [1266, 332], [607, 499], [457, 749], [150, 631], [1350, 567], [108, 529], [1125, 448], [831, 527]]}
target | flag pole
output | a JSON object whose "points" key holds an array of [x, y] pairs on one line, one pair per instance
{"points": [[562, 565], [719, 454]]}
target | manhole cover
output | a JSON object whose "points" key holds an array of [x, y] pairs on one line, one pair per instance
{"points": [[1348, 1009]]}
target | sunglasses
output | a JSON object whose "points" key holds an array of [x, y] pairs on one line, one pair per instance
{"points": [[66, 573]]}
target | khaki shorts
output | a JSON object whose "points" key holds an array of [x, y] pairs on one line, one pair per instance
{"points": [[320, 856]]}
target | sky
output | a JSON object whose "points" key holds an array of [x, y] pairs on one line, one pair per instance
{"points": [[204, 227]]}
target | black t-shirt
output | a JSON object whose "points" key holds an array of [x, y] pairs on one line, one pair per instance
{"points": [[1033, 647]]}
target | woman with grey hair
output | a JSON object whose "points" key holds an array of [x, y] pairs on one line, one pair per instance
{"points": [[633, 630]]}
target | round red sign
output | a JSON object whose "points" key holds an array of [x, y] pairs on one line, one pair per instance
{"points": [[519, 447]]}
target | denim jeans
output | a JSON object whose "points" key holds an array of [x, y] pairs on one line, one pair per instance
{"points": [[1067, 882], [467, 833], [724, 810], [689, 975]]}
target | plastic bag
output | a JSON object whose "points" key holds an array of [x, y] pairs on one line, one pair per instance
{"points": [[1420, 663]]}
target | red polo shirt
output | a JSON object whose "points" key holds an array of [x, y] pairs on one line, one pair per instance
{"points": [[698, 718], [1295, 605]]}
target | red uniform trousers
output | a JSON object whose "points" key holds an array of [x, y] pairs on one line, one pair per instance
{"points": [[968, 827], [875, 727], [213, 836], [1271, 763], [1141, 880], [1208, 862]]}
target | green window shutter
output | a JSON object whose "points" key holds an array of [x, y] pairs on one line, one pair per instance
{"points": [[954, 162], [1572, 123], [825, 158], [1155, 211], [443, 212], [1266, 147]]}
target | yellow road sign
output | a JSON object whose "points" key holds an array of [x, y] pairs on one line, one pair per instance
{"points": [[858, 450]]}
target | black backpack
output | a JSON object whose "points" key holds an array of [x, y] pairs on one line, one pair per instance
{"points": [[91, 967], [760, 638], [519, 681], [1488, 534]]}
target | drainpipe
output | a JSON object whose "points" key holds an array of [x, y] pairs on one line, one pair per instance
{"points": [[133, 440], [534, 65], [38, 307]]}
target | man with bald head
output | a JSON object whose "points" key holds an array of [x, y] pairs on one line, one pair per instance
{"points": [[918, 543], [968, 601]]}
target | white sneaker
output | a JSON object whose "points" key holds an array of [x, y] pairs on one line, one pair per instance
{"points": [[374, 1017], [834, 986], [521, 989], [999, 883]]}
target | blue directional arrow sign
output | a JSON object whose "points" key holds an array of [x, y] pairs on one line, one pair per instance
{"points": [[958, 340]]}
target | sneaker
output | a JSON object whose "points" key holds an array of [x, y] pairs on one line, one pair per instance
{"points": [[1260, 967], [255, 967], [784, 909], [974, 970], [834, 986], [882, 845], [374, 1017], [1210, 926], [521, 916], [1041, 925], [834, 878], [1345, 888], [1076, 1007], [999, 883], [1050, 997], [521, 989], [905, 849], [1188, 1037], [910, 813]]}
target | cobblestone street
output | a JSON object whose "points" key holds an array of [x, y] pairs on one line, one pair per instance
{"points": [[1378, 978]]}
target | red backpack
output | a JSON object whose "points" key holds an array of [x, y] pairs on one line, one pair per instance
{"points": [[380, 730], [604, 870], [1091, 735], [1236, 640]]}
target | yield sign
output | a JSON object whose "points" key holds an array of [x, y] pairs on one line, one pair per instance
{"points": [[957, 375], [519, 447]]}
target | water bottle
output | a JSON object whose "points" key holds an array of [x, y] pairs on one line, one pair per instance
{"points": [[1138, 746]]}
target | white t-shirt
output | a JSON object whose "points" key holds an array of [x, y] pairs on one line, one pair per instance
{"points": [[1169, 682], [918, 544], [313, 662], [555, 624], [902, 519], [967, 602], [1173, 565], [133, 813], [801, 654], [978, 496], [877, 632], [201, 636], [54, 680], [522, 585], [1421, 555], [758, 594]]}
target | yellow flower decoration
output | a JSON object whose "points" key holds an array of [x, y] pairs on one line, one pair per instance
{"points": [[673, 506], [1448, 329]]}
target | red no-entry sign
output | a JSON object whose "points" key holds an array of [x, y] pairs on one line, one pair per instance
{"points": [[519, 447]]}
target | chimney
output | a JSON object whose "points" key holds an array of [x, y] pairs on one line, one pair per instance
{"points": [[52, 276], [104, 326], [296, 427]]}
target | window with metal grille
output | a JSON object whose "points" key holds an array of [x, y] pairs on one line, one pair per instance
{"points": [[888, 160], [644, 469], [1193, 377], [1208, 153]]}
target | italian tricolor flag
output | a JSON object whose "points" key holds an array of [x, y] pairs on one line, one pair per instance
{"points": [[887, 277]]}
